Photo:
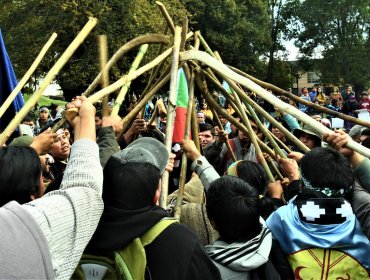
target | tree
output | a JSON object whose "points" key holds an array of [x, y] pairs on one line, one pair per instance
{"points": [[237, 29], [120, 20], [340, 31]]}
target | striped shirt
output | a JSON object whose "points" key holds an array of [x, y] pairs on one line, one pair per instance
{"points": [[68, 217]]}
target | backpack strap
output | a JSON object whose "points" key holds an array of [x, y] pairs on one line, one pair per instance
{"points": [[132, 258]]}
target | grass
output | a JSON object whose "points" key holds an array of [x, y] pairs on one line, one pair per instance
{"points": [[45, 101]]}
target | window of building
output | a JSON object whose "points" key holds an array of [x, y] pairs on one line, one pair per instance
{"points": [[313, 77]]}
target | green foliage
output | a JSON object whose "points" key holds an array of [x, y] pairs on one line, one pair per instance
{"points": [[120, 20], [340, 30], [237, 29]]}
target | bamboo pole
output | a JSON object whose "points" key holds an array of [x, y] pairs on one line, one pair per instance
{"points": [[204, 89], [170, 111], [145, 39], [48, 78], [260, 110], [104, 81], [166, 16], [261, 126], [155, 70], [194, 120], [281, 105], [240, 126], [295, 98], [130, 116], [129, 77], [209, 74], [27, 76], [184, 158], [125, 87], [253, 137]]}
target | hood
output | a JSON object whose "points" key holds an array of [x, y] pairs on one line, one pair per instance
{"points": [[243, 256]]}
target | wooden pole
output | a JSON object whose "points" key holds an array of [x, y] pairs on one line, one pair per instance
{"points": [[130, 116], [129, 77], [104, 81], [48, 78], [27, 76], [125, 87], [281, 105], [171, 107], [145, 39], [166, 16], [295, 98]]}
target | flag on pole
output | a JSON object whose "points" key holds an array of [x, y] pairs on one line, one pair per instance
{"points": [[8, 82], [181, 107]]}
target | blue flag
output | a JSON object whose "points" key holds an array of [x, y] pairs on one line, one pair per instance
{"points": [[8, 82]]}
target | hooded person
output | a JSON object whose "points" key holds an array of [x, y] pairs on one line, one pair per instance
{"points": [[317, 229], [132, 181]]}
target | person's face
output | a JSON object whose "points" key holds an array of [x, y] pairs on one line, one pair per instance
{"points": [[98, 121], [314, 89], [205, 138], [29, 123], [61, 148], [277, 133], [365, 97], [319, 90], [244, 138], [67, 133], [44, 115], [223, 120], [308, 140], [205, 106], [200, 118]]}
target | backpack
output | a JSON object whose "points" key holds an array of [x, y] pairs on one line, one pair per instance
{"points": [[127, 264]]}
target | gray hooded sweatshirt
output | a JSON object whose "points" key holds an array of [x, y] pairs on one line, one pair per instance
{"points": [[235, 260]]}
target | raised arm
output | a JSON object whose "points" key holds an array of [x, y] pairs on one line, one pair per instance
{"points": [[68, 217], [200, 165]]}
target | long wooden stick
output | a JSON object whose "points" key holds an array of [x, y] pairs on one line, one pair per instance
{"points": [[295, 98], [171, 107], [48, 78], [125, 87], [145, 39], [281, 105], [130, 116], [27, 76], [202, 84], [129, 77], [104, 81], [166, 16]]}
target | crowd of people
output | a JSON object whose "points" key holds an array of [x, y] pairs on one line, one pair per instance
{"points": [[83, 194]]}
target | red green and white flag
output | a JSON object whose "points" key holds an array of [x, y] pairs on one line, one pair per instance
{"points": [[181, 107]]}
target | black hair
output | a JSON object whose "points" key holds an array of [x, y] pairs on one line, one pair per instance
{"points": [[205, 127], [326, 167], [125, 187], [366, 143], [154, 133], [366, 132], [233, 207], [20, 171], [29, 117], [253, 173]]}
